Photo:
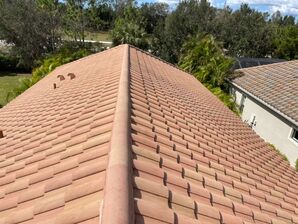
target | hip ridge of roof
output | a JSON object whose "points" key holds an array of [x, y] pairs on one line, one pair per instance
{"points": [[118, 196]]}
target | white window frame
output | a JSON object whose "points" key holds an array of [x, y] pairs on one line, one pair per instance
{"points": [[291, 137]]}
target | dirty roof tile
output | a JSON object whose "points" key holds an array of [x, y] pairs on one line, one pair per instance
{"points": [[275, 85]]}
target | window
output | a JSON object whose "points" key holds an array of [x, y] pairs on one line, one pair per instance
{"points": [[295, 134]]}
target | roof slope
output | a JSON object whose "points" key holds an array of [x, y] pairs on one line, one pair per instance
{"points": [[54, 154], [132, 139], [275, 85]]}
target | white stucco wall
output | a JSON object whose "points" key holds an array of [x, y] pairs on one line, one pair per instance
{"points": [[270, 127]]}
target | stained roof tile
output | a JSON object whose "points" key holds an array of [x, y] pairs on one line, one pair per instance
{"points": [[262, 82]]}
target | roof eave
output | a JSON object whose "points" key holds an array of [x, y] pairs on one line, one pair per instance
{"points": [[289, 119]]}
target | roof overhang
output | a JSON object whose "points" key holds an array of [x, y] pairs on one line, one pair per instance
{"points": [[286, 117]]}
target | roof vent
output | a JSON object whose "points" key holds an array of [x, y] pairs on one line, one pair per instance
{"points": [[55, 86], [1, 134], [61, 77], [71, 75]]}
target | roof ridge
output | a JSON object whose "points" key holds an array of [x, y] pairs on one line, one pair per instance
{"points": [[118, 197], [162, 60], [87, 57], [268, 65]]}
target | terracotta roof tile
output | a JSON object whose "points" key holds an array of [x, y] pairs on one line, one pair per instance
{"points": [[131, 136], [57, 143]]}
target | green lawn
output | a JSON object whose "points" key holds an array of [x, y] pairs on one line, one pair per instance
{"points": [[100, 36], [96, 36], [8, 81]]}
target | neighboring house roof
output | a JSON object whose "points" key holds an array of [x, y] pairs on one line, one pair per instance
{"points": [[132, 139], [252, 62], [275, 86]]}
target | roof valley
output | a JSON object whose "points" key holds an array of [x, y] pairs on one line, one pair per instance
{"points": [[118, 198]]}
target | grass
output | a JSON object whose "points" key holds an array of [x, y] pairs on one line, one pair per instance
{"points": [[279, 152], [9, 81], [98, 36]]}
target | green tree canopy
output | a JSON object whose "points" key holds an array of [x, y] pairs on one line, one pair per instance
{"points": [[189, 18], [100, 15], [246, 33], [203, 57], [153, 13], [129, 28], [279, 19], [286, 42], [75, 19], [32, 26]]}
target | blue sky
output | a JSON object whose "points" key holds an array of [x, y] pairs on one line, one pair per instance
{"points": [[286, 7]]}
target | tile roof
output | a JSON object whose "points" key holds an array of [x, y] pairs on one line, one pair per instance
{"points": [[275, 85], [252, 62], [132, 139]]}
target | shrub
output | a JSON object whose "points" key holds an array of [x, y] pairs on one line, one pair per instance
{"points": [[24, 84], [53, 61], [203, 57], [63, 56], [10, 64], [226, 98], [278, 151]]}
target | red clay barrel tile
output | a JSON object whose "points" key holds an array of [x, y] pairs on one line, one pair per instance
{"points": [[185, 153]]}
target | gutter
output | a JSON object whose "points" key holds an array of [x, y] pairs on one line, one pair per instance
{"points": [[118, 201], [295, 123]]}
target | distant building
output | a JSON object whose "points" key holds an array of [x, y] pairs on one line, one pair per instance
{"points": [[268, 99], [252, 62]]}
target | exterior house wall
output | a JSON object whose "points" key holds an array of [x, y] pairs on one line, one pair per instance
{"points": [[269, 126]]}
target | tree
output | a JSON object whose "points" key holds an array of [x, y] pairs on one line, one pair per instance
{"points": [[189, 18], [286, 42], [30, 27], [280, 20], [153, 13], [202, 56], [52, 7], [129, 29], [75, 20], [246, 33], [221, 24], [100, 15]]}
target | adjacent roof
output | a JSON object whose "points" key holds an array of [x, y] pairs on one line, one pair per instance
{"points": [[132, 139], [251, 62], [275, 86]]}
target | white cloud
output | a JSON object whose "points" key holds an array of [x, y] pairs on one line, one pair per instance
{"points": [[284, 6], [285, 9], [169, 2], [217, 3]]}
